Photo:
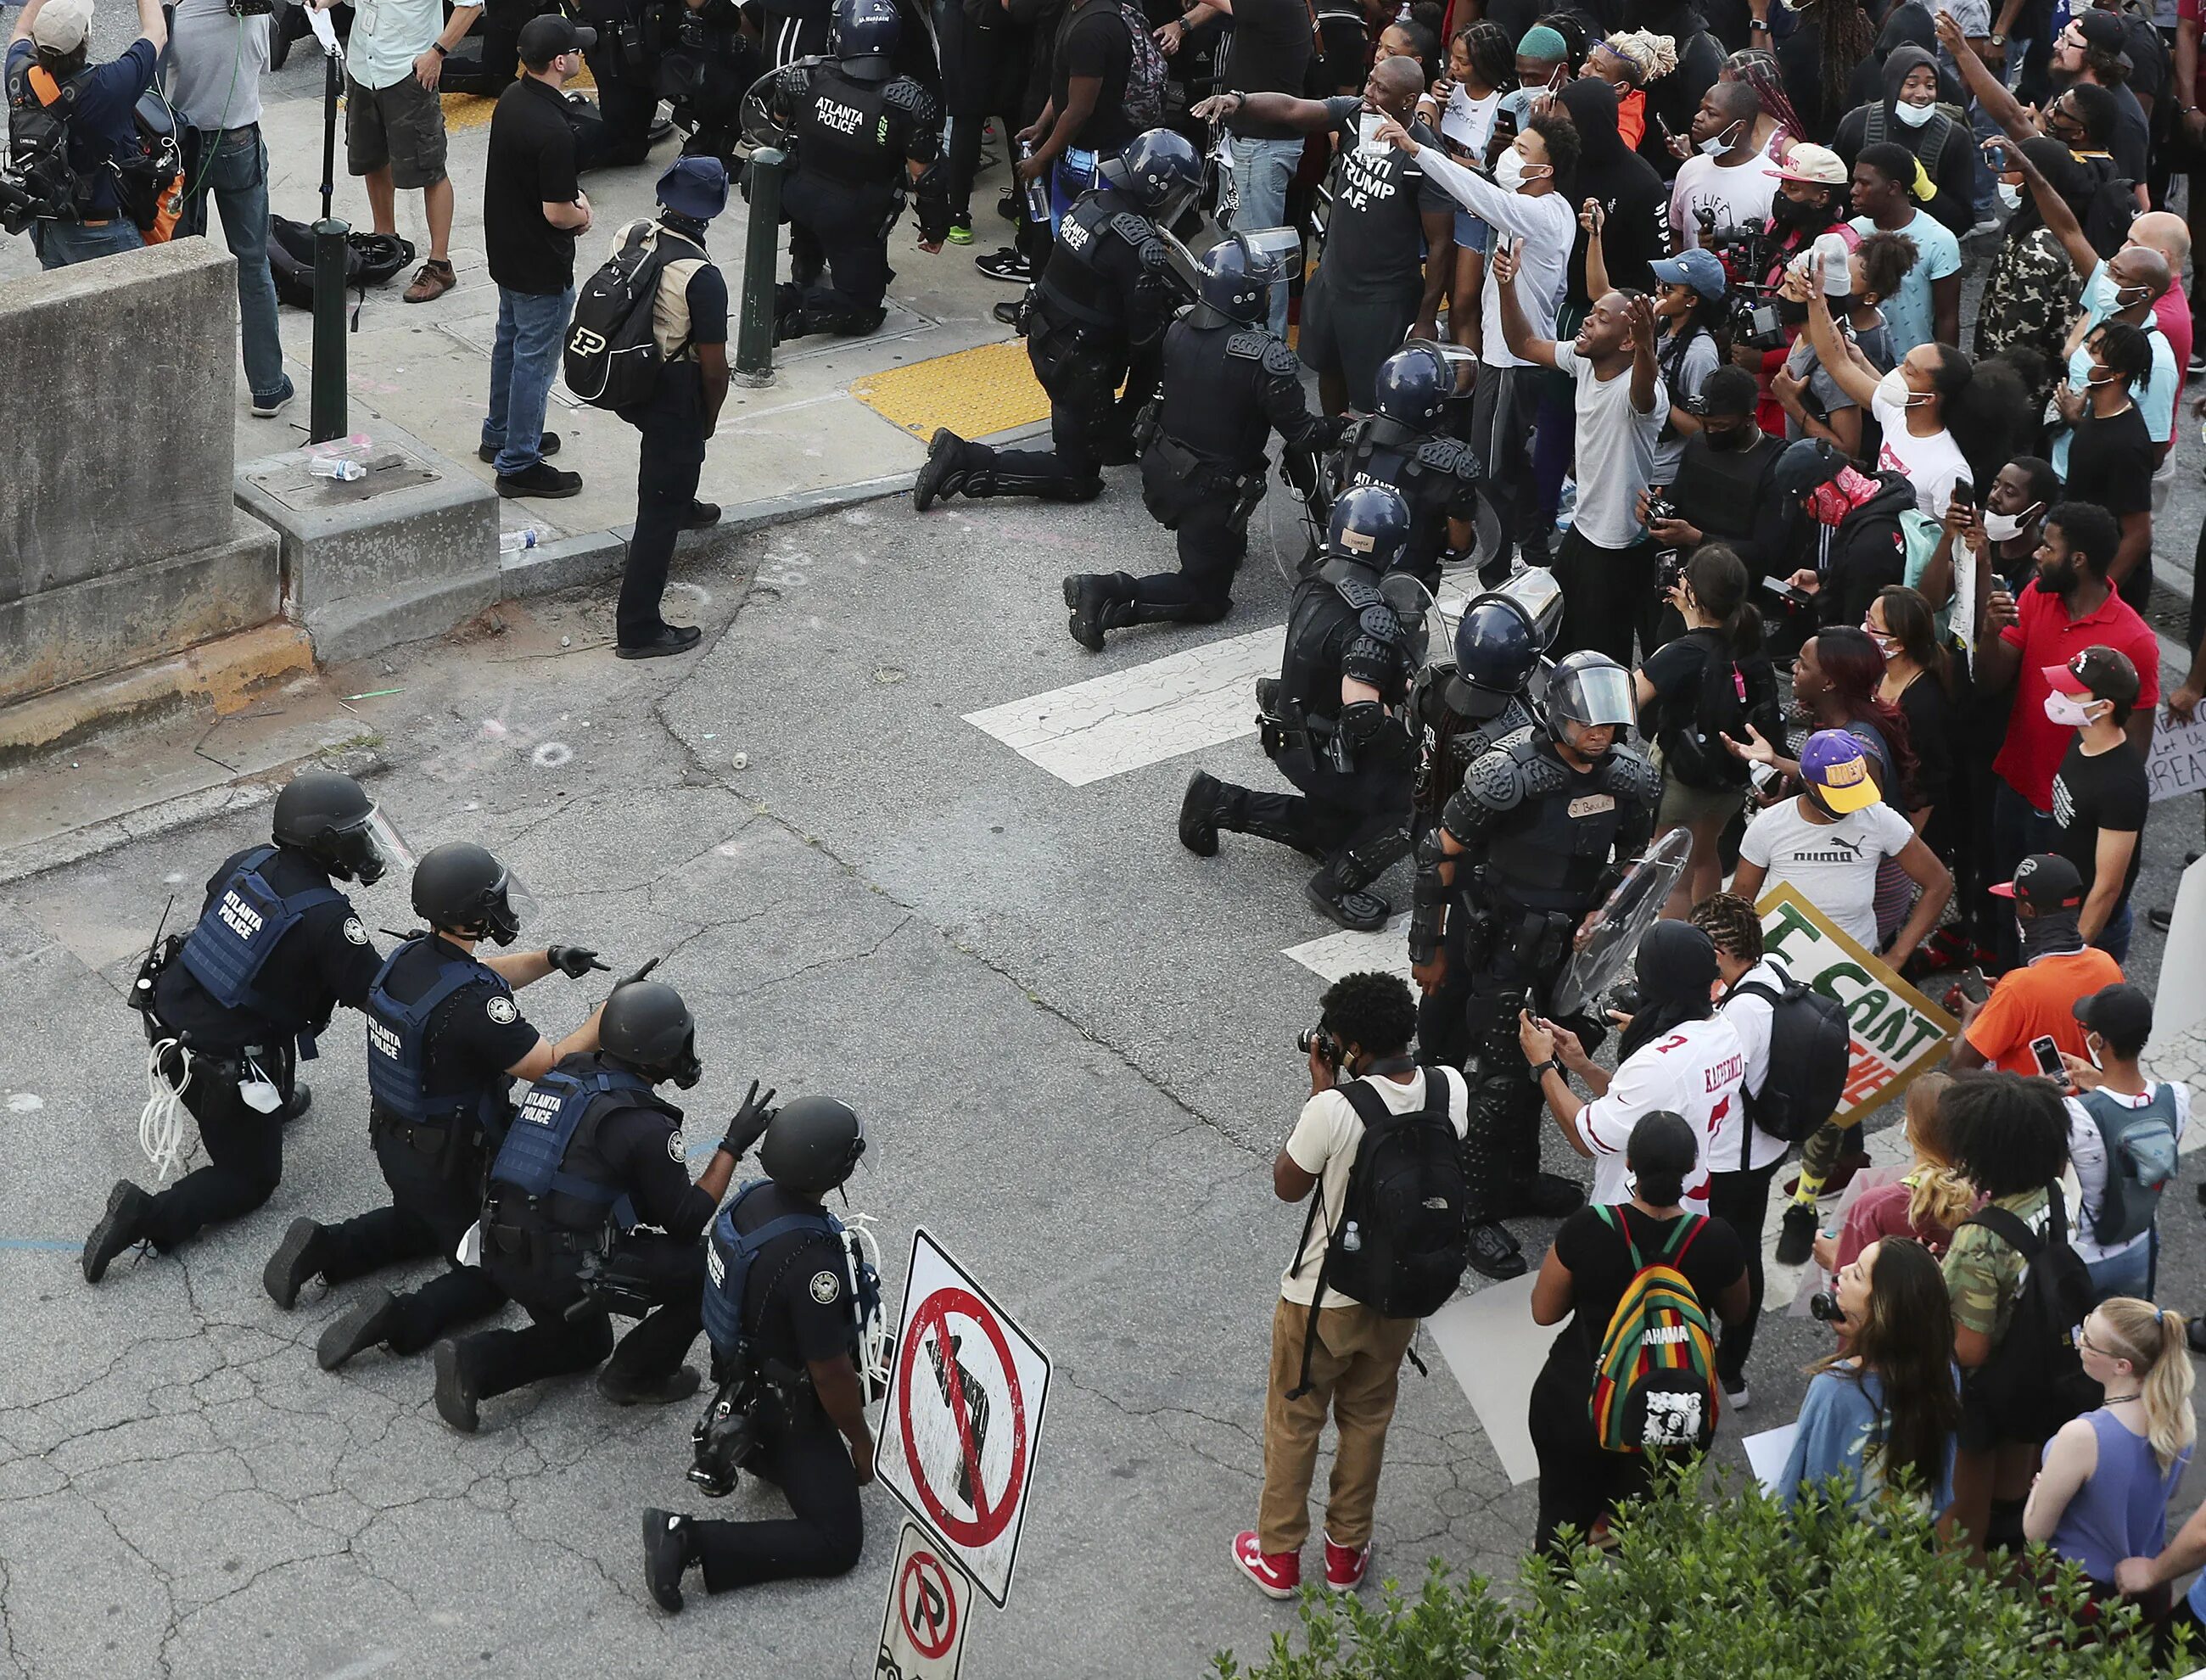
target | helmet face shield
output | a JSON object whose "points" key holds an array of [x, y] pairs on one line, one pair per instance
{"points": [[1535, 592], [1274, 254], [512, 906], [1592, 696], [366, 850]]}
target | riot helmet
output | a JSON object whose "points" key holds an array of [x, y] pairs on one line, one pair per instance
{"points": [[867, 35], [1370, 527], [1412, 387], [1589, 690], [646, 1025], [813, 1145], [1157, 168], [1238, 272], [460, 888], [328, 817], [1503, 632]]}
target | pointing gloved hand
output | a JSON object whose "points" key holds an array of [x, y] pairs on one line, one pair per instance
{"points": [[750, 1123], [643, 973], [572, 961]]}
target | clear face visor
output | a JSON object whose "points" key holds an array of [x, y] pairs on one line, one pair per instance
{"points": [[1453, 357], [1536, 592], [1593, 699], [374, 846], [1274, 254], [521, 908]]}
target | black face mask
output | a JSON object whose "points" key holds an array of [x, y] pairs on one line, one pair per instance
{"points": [[1738, 437], [1791, 213]]}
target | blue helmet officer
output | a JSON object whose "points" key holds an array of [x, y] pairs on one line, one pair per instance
{"points": [[790, 1305], [232, 1007], [593, 1156], [1401, 442], [1228, 385], [1333, 720], [1098, 313], [446, 1040]]}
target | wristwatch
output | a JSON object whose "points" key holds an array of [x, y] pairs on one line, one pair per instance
{"points": [[1997, 40], [1760, 23], [1540, 1069], [440, 49]]}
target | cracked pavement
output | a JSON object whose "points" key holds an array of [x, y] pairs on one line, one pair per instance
{"points": [[1072, 1040]]}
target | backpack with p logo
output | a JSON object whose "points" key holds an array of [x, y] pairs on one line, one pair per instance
{"points": [[2140, 1160], [1654, 1377], [613, 359], [1810, 1054], [1403, 1237]]}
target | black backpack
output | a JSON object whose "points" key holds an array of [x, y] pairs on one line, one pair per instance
{"points": [[613, 359], [2033, 1381], [1810, 1052], [1730, 694], [1405, 1233], [371, 259]]}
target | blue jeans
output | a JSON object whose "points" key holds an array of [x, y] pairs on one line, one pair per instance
{"points": [[60, 243], [234, 174], [2114, 938], [2129, 1274], [1263, 169], [523, 363]]}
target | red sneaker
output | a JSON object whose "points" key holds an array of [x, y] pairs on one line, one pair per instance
{"points": [[1277, 1574], [1343, 1568]]}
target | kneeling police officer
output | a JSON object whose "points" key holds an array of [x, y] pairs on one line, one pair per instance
{"points": [[592, 1155], [1332, 721], [445, 1041], [233, 1006], [789, 1304], [1400, 442], [1228, 384]]}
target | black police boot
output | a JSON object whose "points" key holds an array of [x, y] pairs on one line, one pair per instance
{"points": [[370, 1320], [1354, 909], [1796, 1236], [456, 1393], [1494, 1252], [626, 1388], [669, 1549], [302, 1099], [1358, 866], [118, 1227], [943, 472], [298, 1257], [1548, 1195], [1098, 603], [1207, 806]]}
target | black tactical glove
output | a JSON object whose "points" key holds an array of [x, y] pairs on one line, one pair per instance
{"points": [[643, 973], [750, 1123], [572, 961]]}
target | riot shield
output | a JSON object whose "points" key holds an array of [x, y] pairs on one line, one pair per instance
{"points": [[1630, 910]]}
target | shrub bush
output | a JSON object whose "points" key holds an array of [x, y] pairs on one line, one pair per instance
{"points": [[1707, 1584]]}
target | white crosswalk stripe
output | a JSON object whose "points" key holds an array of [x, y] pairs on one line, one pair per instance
{"points": [[1345, 953]]}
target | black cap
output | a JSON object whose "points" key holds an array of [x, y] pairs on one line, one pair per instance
{"points": [[1807, 462], [2100, 29], [2121, 1014], [2044, 881], [544, 39]]}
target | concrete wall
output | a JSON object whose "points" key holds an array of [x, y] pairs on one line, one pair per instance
{"points": [[120, 541]]}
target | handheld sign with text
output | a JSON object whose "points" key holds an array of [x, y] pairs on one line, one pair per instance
{"points": [[1897, 1031]]}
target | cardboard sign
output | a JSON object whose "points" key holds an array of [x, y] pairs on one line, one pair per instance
{"points": [[2177, 763], [1898, 1033]]}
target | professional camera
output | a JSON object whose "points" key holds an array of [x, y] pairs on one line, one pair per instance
{"points": [[1824, 1305], [1319, 1042], [1755, 321], [1661, 507], [1625, 999], [37, 183]]}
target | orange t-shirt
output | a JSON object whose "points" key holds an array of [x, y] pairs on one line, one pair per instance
{"points": [[2039, 998]]}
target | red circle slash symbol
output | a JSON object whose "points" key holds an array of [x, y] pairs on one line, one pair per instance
{"points": [[931, 1324], [925, 1605]]}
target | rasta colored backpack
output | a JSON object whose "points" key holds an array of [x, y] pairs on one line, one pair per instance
{"points": [[1655, 1378]]}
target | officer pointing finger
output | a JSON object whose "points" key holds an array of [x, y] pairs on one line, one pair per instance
{"points": [[446, 1039], [231, 1008]]}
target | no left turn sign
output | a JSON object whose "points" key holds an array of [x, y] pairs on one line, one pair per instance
{"points": [[964, 1411]]}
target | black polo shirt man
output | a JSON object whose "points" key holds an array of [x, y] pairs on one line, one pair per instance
{"points": [[533, 210]]}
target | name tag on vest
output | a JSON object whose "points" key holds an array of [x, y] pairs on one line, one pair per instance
{"points": [[1592, 805]]}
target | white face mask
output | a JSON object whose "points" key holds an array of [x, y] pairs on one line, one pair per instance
{"points": [[2107, 299], [1716, 144], [1510, 174], [1893, 388], [2006, 528], [1913, 115], [2009, 196], [2067, 710]]}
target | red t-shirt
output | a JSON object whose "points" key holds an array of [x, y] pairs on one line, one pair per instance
{"points": [[1882, 1212], [2192, 10], [2172, 312], [2047, 636]]}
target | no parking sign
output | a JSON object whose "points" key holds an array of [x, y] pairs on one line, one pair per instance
{"points": [[964, 1412], [930, 1606]]}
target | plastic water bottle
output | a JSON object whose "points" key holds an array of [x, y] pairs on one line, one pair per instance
{"points": [[1351, 1239], [517, 542], [1037, 194], [343, 468]]}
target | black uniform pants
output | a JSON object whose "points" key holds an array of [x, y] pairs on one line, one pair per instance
{"points": [[1741, 1200], [430, 1211], [628, 95], [244, 1154], [489, 75], [1579, 1479], [804, 1455], [1211, 529], [1501, 1149], [1334, 814], [1080, 370], [497, 1361], [839, 236], [1444, 1013], [666, 474]]}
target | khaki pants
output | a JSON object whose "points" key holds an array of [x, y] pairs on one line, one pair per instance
{"points": [[1355, 1371]]}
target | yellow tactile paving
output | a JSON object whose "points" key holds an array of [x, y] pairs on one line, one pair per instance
{"points": [[473, 110], [975, 392]]}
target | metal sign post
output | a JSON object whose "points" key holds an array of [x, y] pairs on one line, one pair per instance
{"points": [[326, 404]]}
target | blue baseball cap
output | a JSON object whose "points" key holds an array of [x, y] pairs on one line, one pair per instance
{"points": [[1836, 765], [695, 187], [1695, 268]]}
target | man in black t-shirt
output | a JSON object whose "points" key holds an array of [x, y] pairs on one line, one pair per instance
{"points": [[1085, 123], [2100, 793], [533, 210]]}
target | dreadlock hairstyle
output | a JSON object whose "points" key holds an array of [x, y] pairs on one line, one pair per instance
{"points": [[1758, 70]]}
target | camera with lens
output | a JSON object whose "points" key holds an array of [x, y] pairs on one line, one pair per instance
{"points": [[1756, 322], [1824, 1305], [1625, 999], [1319, 1042]]}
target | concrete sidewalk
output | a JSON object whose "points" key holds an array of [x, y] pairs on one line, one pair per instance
{"points": [[803, 442]]}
